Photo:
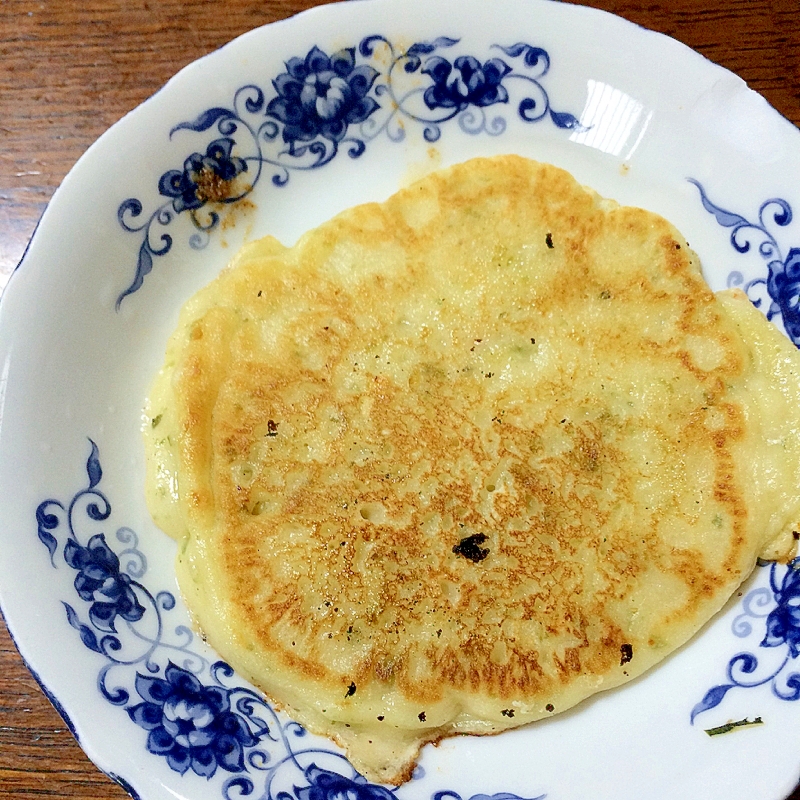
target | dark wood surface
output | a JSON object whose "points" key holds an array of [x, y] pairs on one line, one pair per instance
{"points": [[69, 70]]}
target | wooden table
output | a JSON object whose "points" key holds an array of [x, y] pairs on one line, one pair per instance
{"points": [[69, 70]]}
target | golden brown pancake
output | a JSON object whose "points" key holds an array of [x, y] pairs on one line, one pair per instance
{"points": [[457, 461]]}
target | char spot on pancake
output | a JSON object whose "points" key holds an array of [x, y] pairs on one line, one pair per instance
{"points": [[470, 547]]}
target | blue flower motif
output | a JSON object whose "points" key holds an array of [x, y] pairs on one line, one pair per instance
{"points": [[471, 84], [322, 95], [784, 288], [203, 176], [100, 582], [191, 725], [326, 785], [783, 622]]}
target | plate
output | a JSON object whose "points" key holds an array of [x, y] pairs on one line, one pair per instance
{"points": [[340, 105]]}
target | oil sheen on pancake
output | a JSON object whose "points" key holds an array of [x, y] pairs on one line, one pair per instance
{"points": [[457, 461]]}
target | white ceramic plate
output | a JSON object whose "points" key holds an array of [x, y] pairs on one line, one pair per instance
{"points": [[399, 88]]}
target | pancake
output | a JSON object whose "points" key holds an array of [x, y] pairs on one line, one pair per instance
{"points": [[457, 461]]}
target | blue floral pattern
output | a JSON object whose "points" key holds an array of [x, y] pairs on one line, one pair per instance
{"points": [[465, 82], [782, 283], [323, 784], [322, 96], [100, 581], [778, 605], [193, 714], [323, 102], [783, 622], [190, 724], [194, 186]]}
